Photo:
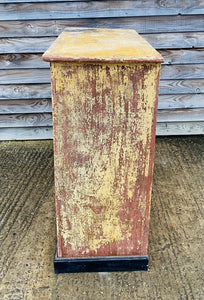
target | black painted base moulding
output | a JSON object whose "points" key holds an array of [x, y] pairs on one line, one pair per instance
{"points": [[101, 264]]}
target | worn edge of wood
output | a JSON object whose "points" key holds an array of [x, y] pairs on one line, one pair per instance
{"points": [[101, 264], [49, 58]]}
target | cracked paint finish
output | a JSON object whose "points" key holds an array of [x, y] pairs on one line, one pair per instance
{"points": [[101, 45], [104, 119]]}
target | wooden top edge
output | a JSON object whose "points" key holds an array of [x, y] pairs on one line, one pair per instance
{"points": [[97, 60], [101, 45]]}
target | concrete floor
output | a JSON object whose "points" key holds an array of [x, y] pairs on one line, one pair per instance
{"points": [[28, 229]]}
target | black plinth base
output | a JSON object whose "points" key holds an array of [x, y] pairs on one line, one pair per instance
{"points": [[101, 264]]}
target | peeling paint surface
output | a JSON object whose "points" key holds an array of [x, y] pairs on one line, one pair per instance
{"points": [[104, 118], [99, 44]]}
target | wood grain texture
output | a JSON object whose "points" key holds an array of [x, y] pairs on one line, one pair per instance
{"points": [[97, 9], [26, 133], [25, 120], [180, 128], [46, 133], [22, 91], [186, 115], [37, 91], [22, 76], [177, 40], [24, 61], [180, 101], [174, 28], [158, 41], [25, 106], [149, 24], [182, 56], [45, 119], [191, 71], [20, 106], [25, 45], [104, 148], [171, 87]]}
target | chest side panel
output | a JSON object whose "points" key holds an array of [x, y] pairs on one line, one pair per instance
{"points": [[104, 124]]}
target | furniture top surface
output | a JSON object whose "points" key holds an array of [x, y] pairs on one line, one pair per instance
{"points": [[101, 45]]}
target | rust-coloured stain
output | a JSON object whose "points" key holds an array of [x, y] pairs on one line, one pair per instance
{"points": [[104, 119]]}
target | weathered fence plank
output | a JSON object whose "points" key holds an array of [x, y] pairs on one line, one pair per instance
{"points": [[25, 45], [27, 28], [171, 41], [21, 91], [40, 91], [180, 128], [21, 106], [149, 24], [26, 133], [158, 41], [171, 57], [183, 115], [25, 106], [24, 76], [180, 101], [25, 120], [97, 9], [192, 71], [21, 61], [191, 86], [45, 133], [45, 119], [183, 56]]}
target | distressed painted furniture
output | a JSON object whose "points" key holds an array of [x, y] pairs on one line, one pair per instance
{"points": [[104, 96]]}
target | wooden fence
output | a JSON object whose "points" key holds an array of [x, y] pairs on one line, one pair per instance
{"points": [[27, 28]]}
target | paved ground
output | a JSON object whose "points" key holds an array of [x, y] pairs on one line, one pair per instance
{"points": [[28, 229]]}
